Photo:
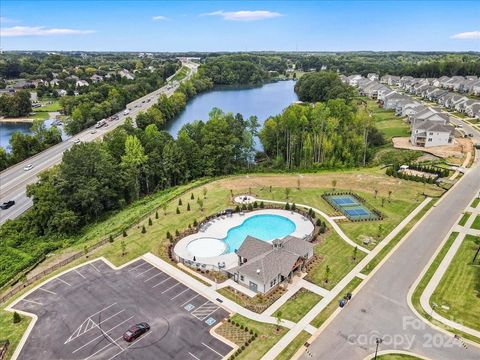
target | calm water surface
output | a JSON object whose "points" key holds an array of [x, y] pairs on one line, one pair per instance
{"points": [[264, 101]]}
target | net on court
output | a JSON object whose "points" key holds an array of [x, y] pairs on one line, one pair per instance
{"points": [[351, 207]]}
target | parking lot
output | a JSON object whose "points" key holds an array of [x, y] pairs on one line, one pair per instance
{"points": [[83, 314]]}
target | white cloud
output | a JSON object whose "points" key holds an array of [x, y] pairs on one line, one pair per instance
{"points": [[244, 15], [40, 31], [159, 18], [5, 20], [469, 35]]}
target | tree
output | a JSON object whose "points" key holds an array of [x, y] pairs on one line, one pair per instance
{"points": [[200, 204], [322, 86], [156, 214], [123, 247], [389, 195], [144, 230], [85, 250], [132, 163], [192, 197], [327, 274], [204, 190], [334, 184], [178, 210], [16, 317], [278, 316], [188, 206], [287, 192], [354, 256], [150, 223], [124, 233], [376, 192], [180, 202], [164, 207]]}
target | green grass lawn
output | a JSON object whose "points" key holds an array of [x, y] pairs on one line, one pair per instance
{"points": [[386, 121], [12, 332], [338, 256], [333, 305], [475, 202], [293, 347], [267, 337], [476, 223], [298, 305], [459, 288], [49, 106], [464, 219], [424, 282], [397, 357], [376, 260]]}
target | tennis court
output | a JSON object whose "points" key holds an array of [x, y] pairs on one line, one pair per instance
{"points": [[351, 207]]}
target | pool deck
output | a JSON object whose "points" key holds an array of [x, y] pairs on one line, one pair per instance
{"points": [[218, 229]]}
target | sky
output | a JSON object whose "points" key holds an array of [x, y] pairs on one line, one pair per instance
{"points": [[240, 25]]}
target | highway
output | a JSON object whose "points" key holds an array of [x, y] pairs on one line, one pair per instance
{"points": [[380, 309], [14, 180]]}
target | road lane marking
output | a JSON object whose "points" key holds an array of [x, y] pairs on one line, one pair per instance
{"points": [[179, 294], [133, 343], [48, 291], [143, 263], [103, 348], [99, 336], [170, 288], [79, 273], [33, 302], [186, 302], [143, 272], [152, 277], [95, 267], [161, 282], [215, 351], [63, 281]]}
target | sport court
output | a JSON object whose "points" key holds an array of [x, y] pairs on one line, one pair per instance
{"points": [[83, 314], [351, 207]]}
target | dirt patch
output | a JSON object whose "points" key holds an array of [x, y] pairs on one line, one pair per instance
{"points": [[457, 150]]}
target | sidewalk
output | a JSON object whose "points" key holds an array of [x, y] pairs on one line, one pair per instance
{"points": [[442, 269], [335, 292]]}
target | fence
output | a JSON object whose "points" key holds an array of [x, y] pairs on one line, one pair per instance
{"points": [[20, 286], [4, 348]]}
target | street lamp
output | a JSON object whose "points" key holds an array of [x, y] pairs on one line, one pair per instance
{"points": [[378, 341]]}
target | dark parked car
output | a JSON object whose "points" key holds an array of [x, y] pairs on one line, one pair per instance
{"points": [[135, 331], [7, 205]]}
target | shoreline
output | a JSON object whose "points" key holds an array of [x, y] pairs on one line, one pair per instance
{"points": [[16, 120]]}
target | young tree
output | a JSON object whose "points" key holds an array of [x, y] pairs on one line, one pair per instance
{"points": [[124, 233], [192, 197], [85, 251], [16, 317], [144, 230], [278, 316], [327, 274], [156, 214], [204, 192], [376, 192], [298, 184], [355, 250], [188, 206], [150, 223], [178, 210], [334, 184], [287, 192], [164, 207], [123, 246], [180, 202], [200, 204]]}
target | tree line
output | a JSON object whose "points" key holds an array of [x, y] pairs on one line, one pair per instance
{"points": [[16, 104]]}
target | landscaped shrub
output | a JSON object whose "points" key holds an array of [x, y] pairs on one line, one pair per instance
{"points": [[237, 209], [287, 206], [143, 229], [244, 207], [169, 236], [177, 233], [195, 223], [250, 207], [188, 206], [178, 210], [192, 197], [150, 223], [294, 207], [110, 238], [262, 205], [255, 205], [16, 317], [125, 233], [180, 202]]}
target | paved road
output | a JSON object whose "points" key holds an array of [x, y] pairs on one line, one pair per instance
{"points": [[14, 180], [380, 308]]}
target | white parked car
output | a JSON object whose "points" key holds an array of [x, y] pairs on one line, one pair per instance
{"points": [[77, 141], [28, 167], [126, 112]]}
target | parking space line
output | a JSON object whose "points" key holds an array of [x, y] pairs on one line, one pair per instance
{"points": [[161, 282], [33, 302], [48, 291], [105, 308], [103, 348], [79, 273], [170, 288], [180, 293], [108, 336], [111, 316], [143, 272], [215, 351], [143, 263], [186, 302], [133, 343], [59, 279], [154, 276], [193, 356], [99, 336], [91, 264]]}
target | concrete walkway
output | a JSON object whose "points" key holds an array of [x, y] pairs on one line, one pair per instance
{"points": [[442, 269], [210, 293], [336, 291], [330, 220]]}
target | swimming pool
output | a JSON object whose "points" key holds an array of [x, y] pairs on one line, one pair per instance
{"points": [[264, 227]]}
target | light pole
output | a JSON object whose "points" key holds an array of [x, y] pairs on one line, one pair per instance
{"points": [[378, 341]]}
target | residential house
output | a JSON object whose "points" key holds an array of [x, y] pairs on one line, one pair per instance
{"points": [[431, 133], [96, 78], [62, 92], [81, 83], [373, 77], [263, 266], [124, 73]]}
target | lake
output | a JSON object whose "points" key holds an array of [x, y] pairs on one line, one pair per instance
{"points": [[265, 101], [8, 128]]}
